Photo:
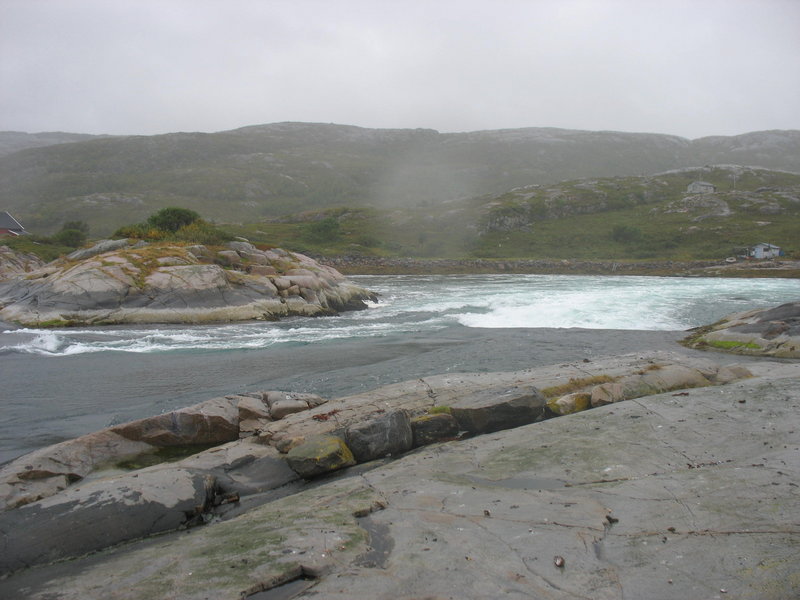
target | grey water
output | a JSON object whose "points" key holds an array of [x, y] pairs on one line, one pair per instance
{"points": [[59, 384]]}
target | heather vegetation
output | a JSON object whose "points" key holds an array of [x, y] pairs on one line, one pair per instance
{"points": [[175, 224], [341, 191]]}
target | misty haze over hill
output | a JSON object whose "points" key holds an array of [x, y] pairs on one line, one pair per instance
{"points": [[263, 171]]}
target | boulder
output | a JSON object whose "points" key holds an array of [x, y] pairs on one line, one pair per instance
{"points": [[49, 470], [287, 406], [229, 258], [102, 513], [495, 409], [211, 422], [607, 393], [100, 247], [251, 408], [428, 429], [282, 404], [262, 270], [241, 246], [389, 434], [320, 454], [570, 403]]}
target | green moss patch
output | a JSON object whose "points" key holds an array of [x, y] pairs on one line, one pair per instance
{"points": [[575, 385]]}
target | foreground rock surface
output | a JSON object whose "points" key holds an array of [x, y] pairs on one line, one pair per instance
{"points": [[761, 332], [688, 494], [116, 282]]}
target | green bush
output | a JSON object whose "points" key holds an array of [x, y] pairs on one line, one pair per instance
{"points": [[625, 234], [70, 237], [177, 224], [326, 230], [172, 218]]}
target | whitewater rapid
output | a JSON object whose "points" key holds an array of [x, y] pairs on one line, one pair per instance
{"points": [[411, 304]]}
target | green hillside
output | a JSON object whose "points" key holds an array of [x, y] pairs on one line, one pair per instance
{"points": [[618, 218], [256, 173]]}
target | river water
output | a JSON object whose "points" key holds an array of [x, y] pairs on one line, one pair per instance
{"points": [[58, 384]]}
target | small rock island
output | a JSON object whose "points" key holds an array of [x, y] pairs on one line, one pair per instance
{"points": [[117, 281]]}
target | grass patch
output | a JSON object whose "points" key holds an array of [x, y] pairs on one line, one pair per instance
{"points": [[574, 385], [438, 410], [730, 345]]}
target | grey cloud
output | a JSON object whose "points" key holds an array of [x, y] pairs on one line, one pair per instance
{"points": [[151, 66]]}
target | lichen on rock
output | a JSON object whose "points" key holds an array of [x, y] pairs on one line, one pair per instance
{"points": [[115, 282]]}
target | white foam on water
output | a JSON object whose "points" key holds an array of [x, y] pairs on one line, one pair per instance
{"points": [[411, 304]]}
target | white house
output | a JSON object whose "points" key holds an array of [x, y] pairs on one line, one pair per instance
{"points": [[701, 187], [763, 250]]}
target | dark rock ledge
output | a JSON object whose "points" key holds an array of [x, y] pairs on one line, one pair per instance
{"points": [[643, 497]]}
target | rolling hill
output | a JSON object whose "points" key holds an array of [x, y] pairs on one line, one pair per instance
{"points": [[257, 173]]}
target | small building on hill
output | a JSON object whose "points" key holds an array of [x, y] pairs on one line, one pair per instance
{"points": [[764, 250], [10, 226], [701, 187]]}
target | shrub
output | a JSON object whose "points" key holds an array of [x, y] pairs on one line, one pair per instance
{"points": [[326, 230], [625, 234], [172, 218], [70, 237], [202, 232]]}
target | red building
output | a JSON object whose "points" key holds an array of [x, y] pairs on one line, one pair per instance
{"points": [[10, 226]]}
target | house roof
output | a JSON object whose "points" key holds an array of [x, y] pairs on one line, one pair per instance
{"points": [[768, 246], [9, 222]]}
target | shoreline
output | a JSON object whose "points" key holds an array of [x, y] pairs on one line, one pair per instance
{"points": [[328, 368], [372, 265]]}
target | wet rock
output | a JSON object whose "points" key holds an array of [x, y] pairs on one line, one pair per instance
{"points": [[49, 470], [320, 454], [101, 513], [429, 429], [211, 422], [387, 435], [495, 409]]}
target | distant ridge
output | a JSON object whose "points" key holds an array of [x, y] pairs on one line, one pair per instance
{"points": [[260, 171]]}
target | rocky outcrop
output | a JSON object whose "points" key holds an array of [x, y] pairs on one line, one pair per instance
{"points": [[627, 500], [496, 409], [86, 483], [318, 455], [99, 515], [116, 282], [14, 263], [762, 332], [48, 471]]}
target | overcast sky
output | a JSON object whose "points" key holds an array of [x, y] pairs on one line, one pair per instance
{"points": [[689, 68]]}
